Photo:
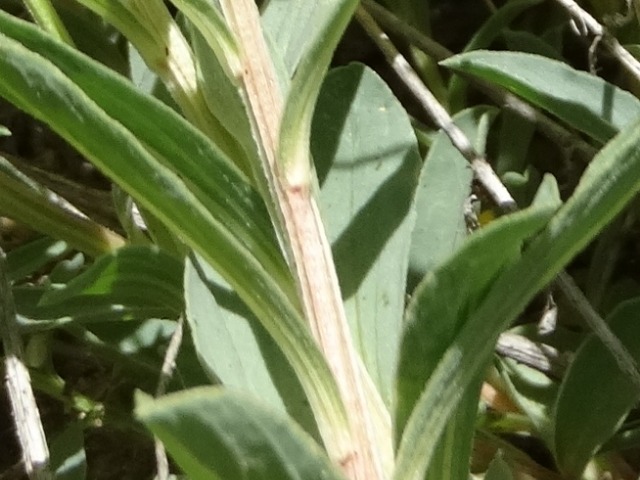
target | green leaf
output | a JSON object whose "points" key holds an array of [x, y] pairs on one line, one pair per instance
{"points": [[586, 102], [533, 392], [443, 190], [223, 190], [498, 469], [295, 27], [137, 276], [595, 396], [609, 183], [215, 434], [444, 299], [234, 348], [367, 161]]}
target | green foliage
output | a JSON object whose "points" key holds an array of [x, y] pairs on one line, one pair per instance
{"points": [[429, 277]]}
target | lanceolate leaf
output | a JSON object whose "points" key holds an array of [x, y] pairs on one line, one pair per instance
{"points": [[611, 180], [223, 191], [29, 203], [595, 396], [366, 157], [443, 190], [586, 102], [444, 299], [483, 37], [215, 434]]}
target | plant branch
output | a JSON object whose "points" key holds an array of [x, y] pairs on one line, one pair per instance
{"points": [[481, 168], [307, 249], [623, 358], [550, 129], [587, 25], [168, 367], [35, 453]]}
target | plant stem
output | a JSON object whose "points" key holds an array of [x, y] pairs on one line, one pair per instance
{"points": [[307, 249]]}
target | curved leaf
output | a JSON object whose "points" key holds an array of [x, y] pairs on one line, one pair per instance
{"points": [[610, 182], [215, 434], [483, 37], [295, 129], [586, 102], [135, 276]]}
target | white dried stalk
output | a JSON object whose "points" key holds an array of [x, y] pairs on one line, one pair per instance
{"points": [[481, 168], [33, 444], [168, 367], [587, 25]]}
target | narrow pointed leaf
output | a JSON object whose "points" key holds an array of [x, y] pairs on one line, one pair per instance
{"points": [[136, 276], [611, 180], [586, 102], [444, 299], [295, 130]]}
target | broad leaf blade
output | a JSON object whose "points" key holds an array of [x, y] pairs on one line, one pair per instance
{"points": [[595, 395], [586, 102], [234, 348], [215, 434], [367, 160]]}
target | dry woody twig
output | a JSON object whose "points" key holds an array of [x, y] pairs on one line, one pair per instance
{"points": [[35, 453]]}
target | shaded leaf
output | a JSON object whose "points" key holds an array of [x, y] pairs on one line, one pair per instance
{"points": [[595, 395], [445, 185], [68, 456], [136, 276], [212, 433], [367, 160], [609, 183], [235, 349]]}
